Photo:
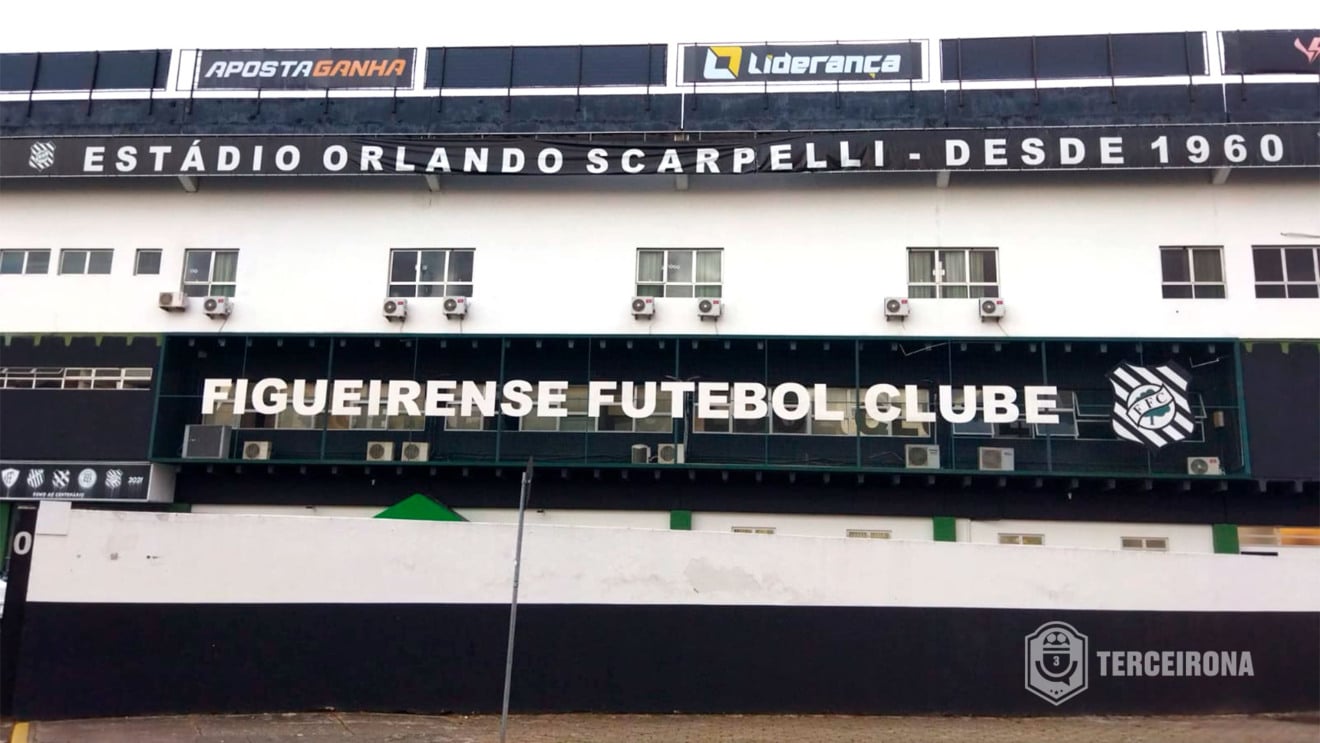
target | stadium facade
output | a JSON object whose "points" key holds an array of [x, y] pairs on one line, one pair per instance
{"points": [[947, 353]]}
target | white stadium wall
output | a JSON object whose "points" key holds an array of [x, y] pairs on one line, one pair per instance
{"points": [[1078, 255]]}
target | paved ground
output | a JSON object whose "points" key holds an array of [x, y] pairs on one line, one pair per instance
{"points": [[335, 727]]}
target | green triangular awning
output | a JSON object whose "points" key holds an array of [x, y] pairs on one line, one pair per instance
{"points": [[418, 507]]}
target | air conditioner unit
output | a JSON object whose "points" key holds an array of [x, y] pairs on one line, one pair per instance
{"points": [[395, 309], [218, 306], [995, 458], [173, 301], [897, 307], [205, 442], [415, 451], [992, 308], [456, 307], [1204, 466], [256, 450], [643, 307], [709, 308], [921, 457], [641, 453], [670, 454], [380, 451]]}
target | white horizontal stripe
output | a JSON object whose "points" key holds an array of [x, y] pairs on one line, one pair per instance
{"points": [[128, 558]]}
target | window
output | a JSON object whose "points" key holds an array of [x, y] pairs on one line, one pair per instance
{"points": [[679, 273], [611, 418], [847, 399], [210, 273], [1065, 407], [1192, 272], [1035, 540], [953, 274], [147, 262], [753, 530], [868, 533], [431, 273], [1287, 271], [1148, 544], [1279, 536], [56, 378], [85, 261], [24, 261]]}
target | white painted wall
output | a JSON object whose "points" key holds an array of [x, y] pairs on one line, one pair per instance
{"points": [[1090, 534], [127, 557], [915, 529], [1192, 538], [812, 255]]}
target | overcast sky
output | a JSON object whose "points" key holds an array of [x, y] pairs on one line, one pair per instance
{"points": [[52, 25]]}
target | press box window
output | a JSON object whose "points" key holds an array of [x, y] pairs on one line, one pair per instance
{"points": [[431, 273], [210, 273], [1287, 271], [146, 262], [85, 261], [1192, 272], [953, 274], [24, 261], [679, 273], [753, 530], [868, 534], [1146, 544], [1035, 540]]}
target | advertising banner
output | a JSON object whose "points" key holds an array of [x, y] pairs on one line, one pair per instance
{"points": [[304, 69], [794, 63], [1029, 148], [74, 481], [1272, 52]]}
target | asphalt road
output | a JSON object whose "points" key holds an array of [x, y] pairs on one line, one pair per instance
{"points": [[336, 727]]}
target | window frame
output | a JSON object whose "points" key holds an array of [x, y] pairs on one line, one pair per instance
{"points": [[938, 285], [137, 261], [647, 288], [1022, 539], [576, 402], [442, 288], [1192, 282], [1144, 544], [210, 283], [1284, 283], [767, 530], [24, 269], [76, 378], [868, 534], [86, 265]]}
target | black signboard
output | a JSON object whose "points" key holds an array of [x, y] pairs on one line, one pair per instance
{"points": [[74, 481], [304, 69], [1281, 145], [787, 63], [1271, 52]]}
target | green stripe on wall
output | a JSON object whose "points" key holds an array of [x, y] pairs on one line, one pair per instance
{"points": [[1226, 539], [418, 507], [680, 520], [946, 529]]}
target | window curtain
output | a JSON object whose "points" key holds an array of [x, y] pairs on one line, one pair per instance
{"points": [[708, 266], [225, 268], [1206, 266], [651, 266]]}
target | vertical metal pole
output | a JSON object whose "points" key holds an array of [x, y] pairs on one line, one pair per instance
{"points": [[513, 605]]}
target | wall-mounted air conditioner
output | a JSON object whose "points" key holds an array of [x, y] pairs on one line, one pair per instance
{"points": [[671, 454], [456, 308], [1204, 466], [991, 308], [205, 442], [709, 309], [641, 453], [218, 307], [395, 309], [643, 307], [415, 451], [897, 308], [995, 459], [173, 301], [380, 451], [921, 457], [256, 450]]}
